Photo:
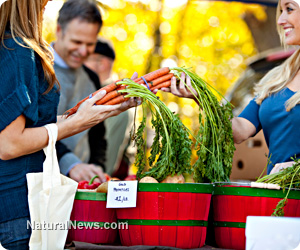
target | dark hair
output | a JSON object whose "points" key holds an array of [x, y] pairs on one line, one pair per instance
{"points": [[85, 10], [103, 48]]}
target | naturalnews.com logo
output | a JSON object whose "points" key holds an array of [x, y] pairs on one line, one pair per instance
{"points": [[76, 225]]}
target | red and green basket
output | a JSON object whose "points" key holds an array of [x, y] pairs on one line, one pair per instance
{"points": [[167, 214], [232, 203], [91, 220]]}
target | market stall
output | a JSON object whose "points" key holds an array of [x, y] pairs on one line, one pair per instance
{"points": [[160, 208]]}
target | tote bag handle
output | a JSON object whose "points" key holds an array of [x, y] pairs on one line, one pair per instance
{"points": [[51, 171]]}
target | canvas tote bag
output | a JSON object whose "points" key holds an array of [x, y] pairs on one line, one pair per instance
{"points": [[50, 198]]}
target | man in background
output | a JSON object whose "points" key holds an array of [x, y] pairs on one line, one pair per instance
{"points": [[78, 25], [101, 61], [120, 154]]}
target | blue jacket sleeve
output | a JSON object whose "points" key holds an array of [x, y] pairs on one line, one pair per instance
{"points": [[19, 88]]}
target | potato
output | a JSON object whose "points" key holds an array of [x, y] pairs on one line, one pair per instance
{"points": [[148, 179], [102, 188], [174, 179], [114, 179]]}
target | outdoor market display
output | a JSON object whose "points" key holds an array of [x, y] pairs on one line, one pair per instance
{"points": [[171, 150], [232, 203], [167, 208], [168, 212]]}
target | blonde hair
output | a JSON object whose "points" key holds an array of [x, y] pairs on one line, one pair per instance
{"points": [[277, 78], [24, 18]]}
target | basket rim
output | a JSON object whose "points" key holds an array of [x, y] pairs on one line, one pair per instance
{"points": [[176, 187], [243, 189], [91, 196]]}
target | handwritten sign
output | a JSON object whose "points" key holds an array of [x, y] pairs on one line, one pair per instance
{"points": [[121, 194]]}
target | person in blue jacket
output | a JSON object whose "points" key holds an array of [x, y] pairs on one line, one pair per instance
{"points": [[275, 108], [29, 96]]}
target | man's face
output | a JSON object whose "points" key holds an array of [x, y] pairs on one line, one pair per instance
{"points": [[76, 42]]}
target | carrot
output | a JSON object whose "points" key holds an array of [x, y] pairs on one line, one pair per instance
{"points": [[120, 87], [165, 84], [111, 87], [116, 100], [108, 88], [110, 96], [153, 75], [161, 79]]}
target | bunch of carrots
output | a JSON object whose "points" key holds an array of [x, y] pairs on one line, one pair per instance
{"points": [[171, 147], [115, 93], [170, 154]]}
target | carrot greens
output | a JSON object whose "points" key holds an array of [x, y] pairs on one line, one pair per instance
{"points": [[171, 148], [215, 146], [170, 152]]}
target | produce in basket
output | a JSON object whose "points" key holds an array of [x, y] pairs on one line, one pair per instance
{"points": [[131, 177], [102, 188], [174, 179], [148, 179], [89, 184], [285, 178]]}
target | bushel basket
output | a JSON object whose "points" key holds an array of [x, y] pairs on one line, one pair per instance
{"points": [[91, 220], [232, 203], [167, 214]]}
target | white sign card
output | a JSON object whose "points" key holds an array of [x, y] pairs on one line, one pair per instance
{"points": [[121, 194]]}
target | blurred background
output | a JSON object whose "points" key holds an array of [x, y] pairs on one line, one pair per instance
{"points": [[228, 44]]}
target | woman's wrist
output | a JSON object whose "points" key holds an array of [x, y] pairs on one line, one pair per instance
{"points": [[69, 126]]}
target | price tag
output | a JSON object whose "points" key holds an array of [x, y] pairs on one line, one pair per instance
{"points": [[121, 194]]}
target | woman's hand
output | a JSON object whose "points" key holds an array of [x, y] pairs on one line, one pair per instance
{"points": [[89, 114], [280, 166], [182, 90], [132, 102], [84, 171]]}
